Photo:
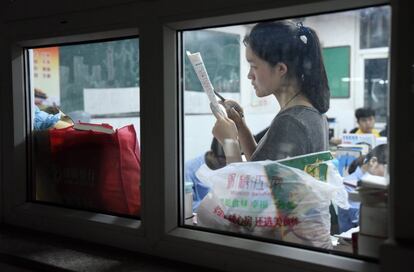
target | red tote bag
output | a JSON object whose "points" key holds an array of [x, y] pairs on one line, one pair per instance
{"points": [[97, 170]]}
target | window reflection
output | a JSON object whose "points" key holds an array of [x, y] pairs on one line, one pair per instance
{"points": [[376, 87], [375, 27]]}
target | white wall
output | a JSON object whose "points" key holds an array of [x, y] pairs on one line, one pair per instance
{"points": [[198, 135], [342, 29]]}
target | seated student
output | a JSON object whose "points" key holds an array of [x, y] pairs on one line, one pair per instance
{"points": [[373, 163], [366, 122], [214, 159], [46, 117], [43, 120], [39, 98]]}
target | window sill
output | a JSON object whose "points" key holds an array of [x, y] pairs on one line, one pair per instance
{"points": [[28, 250]]}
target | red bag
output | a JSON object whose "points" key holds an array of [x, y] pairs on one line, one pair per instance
{"points": [[97, 170]]}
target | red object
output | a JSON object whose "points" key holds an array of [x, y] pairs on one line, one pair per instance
{"points": [[354, 238], [96, 170]]}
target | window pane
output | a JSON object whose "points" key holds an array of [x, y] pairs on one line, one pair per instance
{"points": [[86, 126], [376, 87], [281, 166], [222, 51], [375, 27]]}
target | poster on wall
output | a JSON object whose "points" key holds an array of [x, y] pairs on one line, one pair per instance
{"points": [[46, 76]]}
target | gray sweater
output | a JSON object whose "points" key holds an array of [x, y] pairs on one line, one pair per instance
{"points": [[295, 131]]}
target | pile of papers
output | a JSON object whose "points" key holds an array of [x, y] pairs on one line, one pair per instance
{"points": [[372, 192]]}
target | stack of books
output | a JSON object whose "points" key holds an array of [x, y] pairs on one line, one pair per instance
{"points": [[312, 163], [362, 148], [367, 139], [372, 192]]}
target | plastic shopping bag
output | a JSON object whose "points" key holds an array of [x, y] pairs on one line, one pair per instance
{"points": [[268, 199]]}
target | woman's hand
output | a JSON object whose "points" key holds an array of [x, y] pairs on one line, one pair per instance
{"points": [[234, 111], [224, 128], [225, 131], [64, 122]]}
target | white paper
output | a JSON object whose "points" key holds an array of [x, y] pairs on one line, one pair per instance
{"points": [[200, 69], [347, 234], [373, 181]]}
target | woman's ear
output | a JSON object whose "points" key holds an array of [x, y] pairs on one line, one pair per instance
{"points": [[281, 69]]}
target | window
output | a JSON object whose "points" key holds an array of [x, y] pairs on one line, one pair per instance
{"points": [[82, 84], [74, 180], [222, 51], [376, 87], [268, 201]]}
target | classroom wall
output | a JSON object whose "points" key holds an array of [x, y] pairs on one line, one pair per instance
{"points": [[341, 30]]}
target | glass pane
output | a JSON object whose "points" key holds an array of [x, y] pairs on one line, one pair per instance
{"points": [[86, 126], [375, 27], [222, 51], [376, 87], [270, 156]]}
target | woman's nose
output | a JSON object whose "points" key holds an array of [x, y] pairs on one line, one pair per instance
{"points": [[250, 75]]}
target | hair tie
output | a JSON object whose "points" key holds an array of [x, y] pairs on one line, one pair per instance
{"points": [[302, 31]]}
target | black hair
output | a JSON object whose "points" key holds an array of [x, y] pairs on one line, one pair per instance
{"points": [[215, 157], [384, 132], [364, 112], [217, 148], [355, 163], [299, 49], [259, 135], [380, 152]]}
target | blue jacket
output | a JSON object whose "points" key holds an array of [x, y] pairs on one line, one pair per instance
{"points": [[200, 190], [44, 120], [348, 219]]}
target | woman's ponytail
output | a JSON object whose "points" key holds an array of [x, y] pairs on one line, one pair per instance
{"points": [[311, 70]]}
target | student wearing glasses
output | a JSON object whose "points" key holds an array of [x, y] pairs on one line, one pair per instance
{"points": [[374, 163]]}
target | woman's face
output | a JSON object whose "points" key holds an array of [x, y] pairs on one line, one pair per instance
{"points": [[264, 78]]}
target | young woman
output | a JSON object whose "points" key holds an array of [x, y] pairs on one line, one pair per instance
{"points": [[285, 61]]}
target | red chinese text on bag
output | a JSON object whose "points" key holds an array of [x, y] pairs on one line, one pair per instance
{"points": [[97, 170]]}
